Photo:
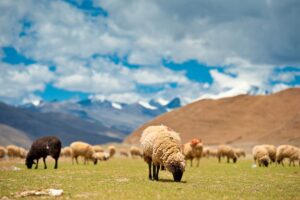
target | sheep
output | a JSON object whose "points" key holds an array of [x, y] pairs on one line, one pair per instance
{"points": [[213, 152], [13, 151], [82, 149], [295, 157], [193, 149], [98, 148], [206, 152], [272, 151], [224, 150], [261, 155], [102, 156], [161, 146], [240, 152], [41, 148], [66, 152], [2, 152], [124, 152], [135, 152], [286, 151], [112, 151]]}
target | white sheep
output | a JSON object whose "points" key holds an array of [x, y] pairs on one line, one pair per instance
{"points": [[66, 152], [272, 151], [135, 152], [213, 152], [287, 151], [124, 152], [193, 149], [261, 155], [82, 149], [98, 148], [14, 151], [2, 152], [102, 156], [226, 151], [112, 151], [206, 152], [161, 146]]}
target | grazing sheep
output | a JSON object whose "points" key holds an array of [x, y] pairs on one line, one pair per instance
{"points": [[98, 148], [13, 151], [272, 151], [286, 151], [261, 155], [193, 149], [135, 152], [2, 152], [206, 152], [112, 151], [226, 151], [41, 148], [240, 152], [82, 149], [123, 152], [161, 146], [213, 152], [23, 152], [66, 152], [102, 156]]}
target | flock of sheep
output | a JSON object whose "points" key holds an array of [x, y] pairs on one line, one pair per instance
{"points": [[161, 149]]}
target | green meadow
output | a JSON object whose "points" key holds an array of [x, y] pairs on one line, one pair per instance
{"points": [[125, 178]]}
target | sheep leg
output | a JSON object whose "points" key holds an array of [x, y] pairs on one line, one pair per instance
{"points": [[76, 159], [44, 160], [198, 161], [150, 175], [154, 171], [37, 163], [228, 160], [157, 171], [55, 166], [192, 162], [219, 157]]}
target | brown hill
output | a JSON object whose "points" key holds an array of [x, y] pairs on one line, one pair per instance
{"points": [[241, 120], [10, 135]]}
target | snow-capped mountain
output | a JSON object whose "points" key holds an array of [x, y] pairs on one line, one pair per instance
{"points": [[119, 118]]}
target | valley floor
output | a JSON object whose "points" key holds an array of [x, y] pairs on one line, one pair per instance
{"points": [[121, 178]]}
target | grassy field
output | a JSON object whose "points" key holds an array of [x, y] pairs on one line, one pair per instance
{"points": [[127, 179]]}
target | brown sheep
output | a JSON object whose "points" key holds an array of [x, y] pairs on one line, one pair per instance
{"points": [[226, 151]]}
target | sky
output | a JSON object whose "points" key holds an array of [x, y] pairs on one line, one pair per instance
{"points": [[127, 51]]}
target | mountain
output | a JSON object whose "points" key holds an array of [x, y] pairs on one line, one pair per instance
{"points": [[240, 120], [10, 135], [91, 120]]}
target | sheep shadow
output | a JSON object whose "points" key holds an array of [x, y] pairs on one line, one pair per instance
{"points": [[170, 181]]}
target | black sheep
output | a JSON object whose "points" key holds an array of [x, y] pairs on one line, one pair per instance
{"points": [[41, 148]]}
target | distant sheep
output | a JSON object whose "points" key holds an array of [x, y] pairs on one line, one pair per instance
{"points": [[82, 149], [272, 151], [261, 155], [124, 152], [98, 148], [213, 152], [226, 151], [206, 152], [13, 151], [2, 152], [112, 151], [287, 151], [66, 152], [102, 156], [135, 152], [240, 152], [193, 149], [41, 148], [161, 146]]}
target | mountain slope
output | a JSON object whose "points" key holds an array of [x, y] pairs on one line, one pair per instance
{"points": [[10, 135], [241, 119]]}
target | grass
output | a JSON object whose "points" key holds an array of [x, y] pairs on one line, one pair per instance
{"points": [[127, 179]]}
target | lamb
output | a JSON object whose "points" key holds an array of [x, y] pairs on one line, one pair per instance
{"points": [[261, 155], [102, 156], [286, 151], [161, 146], [66, 152], [193, 149], [2, 152], [240, 152], [135, 152], [41, 148], [224, 150], [112, 151], [98, 148], [83, 149]]}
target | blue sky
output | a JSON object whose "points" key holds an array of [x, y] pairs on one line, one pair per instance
{"points": [[139, 50]]}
